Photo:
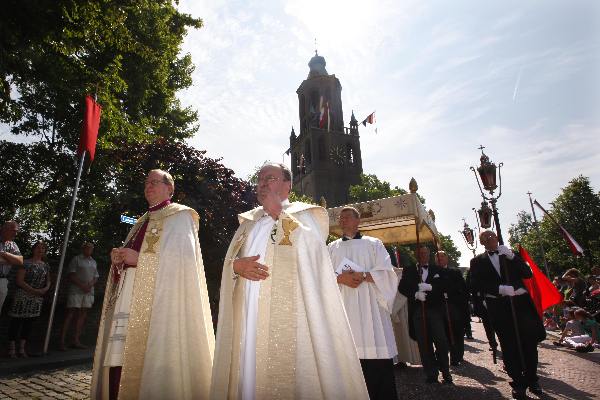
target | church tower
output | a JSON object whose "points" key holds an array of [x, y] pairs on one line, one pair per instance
{"points": [[325, 154]]}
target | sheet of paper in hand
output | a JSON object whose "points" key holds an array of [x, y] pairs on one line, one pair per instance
{"points": [[347, 265]]}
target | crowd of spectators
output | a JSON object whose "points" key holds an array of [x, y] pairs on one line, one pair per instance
{"points": [[28, 279], [578, 316]]}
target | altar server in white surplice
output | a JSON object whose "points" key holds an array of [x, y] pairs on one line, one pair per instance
{"points": [[368, 285], [282, 331]]}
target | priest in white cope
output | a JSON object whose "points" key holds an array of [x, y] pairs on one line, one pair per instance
{"points": [[282, 330], [156, 338], [368, 284]]}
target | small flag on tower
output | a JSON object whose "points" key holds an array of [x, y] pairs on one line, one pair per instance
{"points": [[324, 117], [370, 119]]}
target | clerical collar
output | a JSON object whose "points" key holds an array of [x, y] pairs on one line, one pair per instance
{"points": [[357, 236], [160, 205]]}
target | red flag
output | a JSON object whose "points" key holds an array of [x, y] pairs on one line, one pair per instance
{"points": [[543, 293], [575, 247], [89, 130]]}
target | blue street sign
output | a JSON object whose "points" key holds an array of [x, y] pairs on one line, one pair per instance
{"points": [[128, 220]]}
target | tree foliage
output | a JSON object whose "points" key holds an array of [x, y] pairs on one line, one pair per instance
{"points": [[52, 53], [577, 209], [370, 188]]}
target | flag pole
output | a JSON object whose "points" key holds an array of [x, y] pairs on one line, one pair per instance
{"points": [[537, 229], [63, 253]]}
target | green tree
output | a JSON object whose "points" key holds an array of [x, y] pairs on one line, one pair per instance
{"points": [[370, 188], [519, 230], [54, 52], [577, 209], [447, 244]]}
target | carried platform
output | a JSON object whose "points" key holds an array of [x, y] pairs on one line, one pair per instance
{"points": [[394, 220]]}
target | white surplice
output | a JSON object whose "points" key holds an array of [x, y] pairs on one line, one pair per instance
{"points": [[370, 304], [256, 244]]}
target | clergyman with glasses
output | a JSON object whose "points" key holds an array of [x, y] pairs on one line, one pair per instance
{"points": [[156, 338], [282, 330]]}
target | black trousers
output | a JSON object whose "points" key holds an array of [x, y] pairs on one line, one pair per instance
{"points": [[529, 325], [379, 377], [20, 328], [434, 334], [456, 332]]}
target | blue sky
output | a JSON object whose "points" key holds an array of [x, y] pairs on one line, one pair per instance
{"points": [[521, 78]]}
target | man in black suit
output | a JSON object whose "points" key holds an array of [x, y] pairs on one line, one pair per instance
{"points": [[480, 311], [424, 286], [457, 308], [498, 274]]}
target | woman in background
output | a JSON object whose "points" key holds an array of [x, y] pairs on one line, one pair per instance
{"points": [[33, 281]]}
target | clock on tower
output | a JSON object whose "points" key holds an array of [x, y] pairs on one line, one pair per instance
{"points": [[325, 155]]}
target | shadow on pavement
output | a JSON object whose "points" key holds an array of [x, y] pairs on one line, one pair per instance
{"points": [[562, 389]]}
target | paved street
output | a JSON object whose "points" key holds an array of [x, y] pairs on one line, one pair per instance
{"points": [[564, 375]]}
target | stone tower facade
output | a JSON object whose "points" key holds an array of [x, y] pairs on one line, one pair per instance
{"points": [[325, 155]]}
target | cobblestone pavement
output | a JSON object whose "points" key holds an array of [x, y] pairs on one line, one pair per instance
{"points": [[67, 383], [564, 374]]}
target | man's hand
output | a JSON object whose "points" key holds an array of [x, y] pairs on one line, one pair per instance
{"points": [[129, 256], [425, 287], [249, 268], [506, 290], [115, 256], [421, 296], [503, 250], [272, 204], [351, 279]]}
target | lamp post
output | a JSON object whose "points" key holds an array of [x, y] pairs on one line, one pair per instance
{"points": [[468, 236], [487, 173]]}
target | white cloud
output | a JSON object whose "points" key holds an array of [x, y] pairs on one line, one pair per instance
{"points": [[441, 78]]}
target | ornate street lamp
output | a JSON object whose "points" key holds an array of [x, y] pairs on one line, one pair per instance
{"points": [[487, 173], [468, 236], [485, 215]]}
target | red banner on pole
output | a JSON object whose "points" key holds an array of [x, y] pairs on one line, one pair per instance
{"points": [[89, 130], [543, 293]]}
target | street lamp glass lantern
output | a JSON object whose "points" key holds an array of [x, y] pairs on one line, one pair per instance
{"points": [[487, 173], [469, 235], [485, 215]]}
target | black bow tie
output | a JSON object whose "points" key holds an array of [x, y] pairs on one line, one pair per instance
{"points": [[424, 266], [492, 252]]}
